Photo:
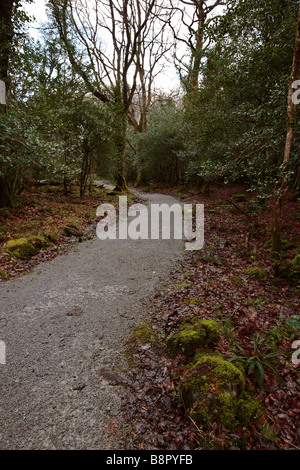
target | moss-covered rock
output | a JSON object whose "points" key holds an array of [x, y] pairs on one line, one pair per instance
{"points": [[290, 270], [285, 245], [144, 334], [193, 335], [20, 248], [71, 231], [38, 241], [256, 273], [51, 235], [239, 198], [214, 390], [296, 261]]}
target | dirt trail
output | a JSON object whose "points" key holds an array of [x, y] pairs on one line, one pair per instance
{"points": [[65, 326]]}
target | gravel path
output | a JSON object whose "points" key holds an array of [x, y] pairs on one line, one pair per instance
{"points": [[65, 326]]}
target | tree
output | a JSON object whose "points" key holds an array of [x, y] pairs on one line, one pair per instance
{"points": [[6, 34], [194, 17], [110, 73], [291, 117], [235, 128], [159, 147], [152, 47]]}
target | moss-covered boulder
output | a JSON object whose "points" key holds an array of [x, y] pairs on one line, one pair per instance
{"points": [[256, 273], [285, 245], [296, 261], [71, 230], [290, 270], [193, 335], [51, 236], [20, 248], [38, 241], [214, 390], [239, 198]]}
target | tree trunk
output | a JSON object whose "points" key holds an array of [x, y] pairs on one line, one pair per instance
{"points": [[5, 200], [196, 61], [291, 116], [120, 178], [6, 34], [85, 167]]}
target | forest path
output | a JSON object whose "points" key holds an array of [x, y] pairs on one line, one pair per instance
{"points": [[65, 326]]}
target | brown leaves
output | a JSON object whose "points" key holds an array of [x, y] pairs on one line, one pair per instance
{"points": [[212, 284]]}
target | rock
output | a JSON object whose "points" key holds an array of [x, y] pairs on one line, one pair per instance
{"points": [[239, 198], [257, 273], [290, 270], [20, 248], [285, 245], [71, 231], [38, 241], [213, 390], [192, 336], [52, 236], [296, 261]]}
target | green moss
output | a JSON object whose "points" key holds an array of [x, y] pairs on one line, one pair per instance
{"points": [[70, 230], [206, 353], [285, 245], [296, 261], [38, 241], [195, 301], [192, 336], [239, 198], [257, 273], [3, 231], [51, 235], [238, 281], [213, 390], [4, 275], [247, 408], [20, 248], [290, 270], [144, 333], [183, 285]]}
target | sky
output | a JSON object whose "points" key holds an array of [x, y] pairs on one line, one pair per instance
{"points": [[38, 10], [167, 81]]}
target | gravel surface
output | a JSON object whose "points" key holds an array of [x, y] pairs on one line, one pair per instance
{"points": [[65, 326]]}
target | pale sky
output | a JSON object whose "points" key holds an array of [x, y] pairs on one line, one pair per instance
{"points": [[37, 9], [167, 80]]}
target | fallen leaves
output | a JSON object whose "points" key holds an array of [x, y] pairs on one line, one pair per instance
{"points": [[218, 289]]}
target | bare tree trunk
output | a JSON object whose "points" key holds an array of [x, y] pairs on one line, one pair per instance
{"points": [[6, 34], [291, 116], [113, 77], [196, 60]]}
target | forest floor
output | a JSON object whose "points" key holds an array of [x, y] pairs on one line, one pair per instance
{"points": [[253, 313], [45, 211], [209, 284], [64, 326]]}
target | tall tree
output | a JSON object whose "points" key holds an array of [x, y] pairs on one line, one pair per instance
{"points": [[194, 16], [6, 35], [291, 117], [153, 46], [110, 32]]}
